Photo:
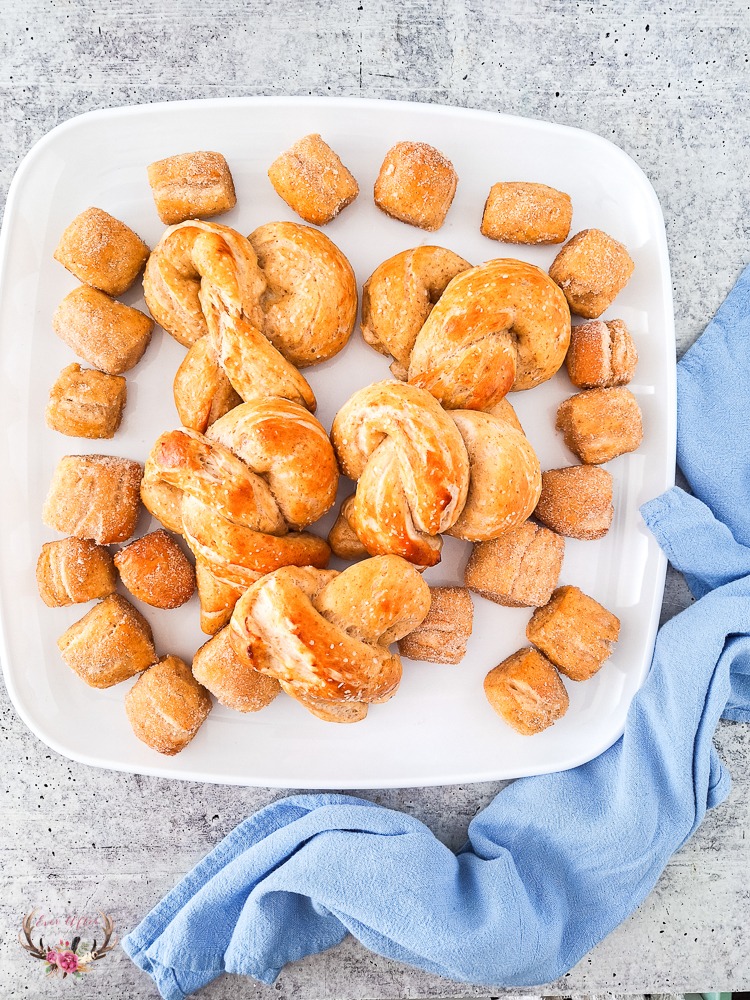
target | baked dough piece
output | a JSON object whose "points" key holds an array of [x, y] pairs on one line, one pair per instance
{"points": [[74, 570], [526, 690], [94, 496], [231, 680], [191, 186], [156, 570], [109, 335], [520, 569], [601, 355], [520, 212], [592, 269], [312, 180], [600, 424], [444, 633], [109, 644], [102, 251], [86, 403], [343, 538], [416, 185], [575, 632], [576, 501], [167, 706]]}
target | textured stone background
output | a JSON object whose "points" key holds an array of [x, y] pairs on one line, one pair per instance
{"points": [[669, 85]]}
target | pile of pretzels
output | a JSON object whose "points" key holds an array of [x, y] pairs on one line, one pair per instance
{"points": [[437, 450]]}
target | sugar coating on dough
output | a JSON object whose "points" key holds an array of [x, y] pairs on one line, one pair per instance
{"points": [[74, 570], [600, 424], [156, 570], [86, 403], [574, 632], [167, 706], [312, 180], [230, 680], [526, 690], [444, 633], [108, 334], [416, 185], [518, 569], [591, 269], [94, 496], [526, 213], [576, 501], [601, 355], [191, 186], [102, 251]]}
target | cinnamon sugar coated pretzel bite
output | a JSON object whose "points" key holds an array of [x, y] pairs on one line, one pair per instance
{"points": [[109, 644], [601, 355], [520, 212], [191, 186], [86, 403], [416, 185], [102, 251], [592, 269], [73, 571], [312, 180], [444, 633], [526, 690], [167, 706], [231, 680], [575, 632], [519, 569], [156, 570], [576, 501], [600, 424], [94, 496], [109, 335], [325, 635]]}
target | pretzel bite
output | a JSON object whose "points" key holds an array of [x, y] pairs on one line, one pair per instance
{"points": [[592, 269], [519, 569], [86, 403], [167, 706], [156, 570], [109, 335], [518, 212], [109, 644], [442, 636], [600, 424], [576, 501], [102, 251], [575, 632], [312, 180], [191, 186], [416, 185], [94, 496], [601, 355], [230, 680], [526, 690], [73, 571]]}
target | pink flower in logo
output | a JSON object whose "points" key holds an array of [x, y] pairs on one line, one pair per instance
{"points": [[67, 961], [51, 957]]}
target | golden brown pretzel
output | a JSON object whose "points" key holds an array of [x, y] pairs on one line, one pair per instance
{"points": [[502, 325], [324, 635], [411, 468], [234, 492], [398, 296]]}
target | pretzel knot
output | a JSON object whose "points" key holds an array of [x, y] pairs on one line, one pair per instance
{"points": [[411, 465], [249, 310], [325, 635], [235, 492], [500, 326]]}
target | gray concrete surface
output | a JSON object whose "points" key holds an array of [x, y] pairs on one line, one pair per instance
{"points": [[669, 84]]}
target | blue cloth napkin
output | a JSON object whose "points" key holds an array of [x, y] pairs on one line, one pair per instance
{"points": [[555, 862]]}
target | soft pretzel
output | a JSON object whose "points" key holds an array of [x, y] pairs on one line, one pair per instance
{"points": [[325, 635], [500, 326], [411, 467], [264, 466], [398, 296], [505, 476]]}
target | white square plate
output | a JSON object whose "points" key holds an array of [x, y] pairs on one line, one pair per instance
{"points": [[438, 728]]}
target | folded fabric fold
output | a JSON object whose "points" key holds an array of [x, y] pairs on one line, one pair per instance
{"points": [[556, 861]]}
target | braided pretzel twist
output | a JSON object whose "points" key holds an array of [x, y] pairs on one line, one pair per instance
{"points": [[411, 466], [325, 635], [235, 491]]}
